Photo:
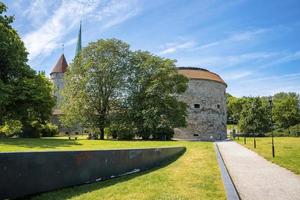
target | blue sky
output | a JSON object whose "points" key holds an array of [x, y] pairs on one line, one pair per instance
{"points": [[253, 45]]}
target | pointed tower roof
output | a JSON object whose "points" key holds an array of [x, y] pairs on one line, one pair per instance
{"points": [[78, 46], [61, 65]]}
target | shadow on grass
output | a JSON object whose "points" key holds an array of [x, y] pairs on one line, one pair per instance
{"points": [[74, 191], [38, 143]]}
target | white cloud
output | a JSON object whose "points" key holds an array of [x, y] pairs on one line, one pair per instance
{"points": [[277, 78], [49, 36], [173, 47], [232, 39], [236, 75], [266, 85], [44, 40], [117, 12], [37, 10], [285, 57], [71, 42], [225, 61]]}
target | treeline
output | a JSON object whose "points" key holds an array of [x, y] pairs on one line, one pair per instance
{"points": [[279, 113], [25, 95], [124, 93]]}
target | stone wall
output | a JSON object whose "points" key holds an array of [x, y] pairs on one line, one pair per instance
{"points": [[206, 118], [58, 82]]}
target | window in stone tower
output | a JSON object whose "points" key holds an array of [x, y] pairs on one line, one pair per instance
{"points": [[196, 105], [196, 135], [218, 106]]}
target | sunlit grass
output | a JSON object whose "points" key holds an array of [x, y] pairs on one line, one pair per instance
{"points": [[287, 150], [194, 175]]}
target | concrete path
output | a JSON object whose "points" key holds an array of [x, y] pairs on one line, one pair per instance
{"points": [[256, 178]]}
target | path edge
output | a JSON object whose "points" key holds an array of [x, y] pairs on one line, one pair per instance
{"points": [[224, 173]]}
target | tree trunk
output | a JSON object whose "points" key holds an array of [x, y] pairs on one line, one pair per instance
{"points": [[101, 133]]}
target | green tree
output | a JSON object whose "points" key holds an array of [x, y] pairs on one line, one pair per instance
{"points": [[13, 58], [25, 95], [95, 84], [286, 110], [234, 108], [255, 116], [154, 85], [35, 95]]}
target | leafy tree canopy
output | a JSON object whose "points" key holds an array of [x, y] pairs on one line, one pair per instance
{"points": [[286, 111], [108, 85], [25, 95]]}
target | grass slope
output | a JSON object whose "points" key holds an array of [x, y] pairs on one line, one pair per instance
{"points": [[287, 150], [194, 175]]}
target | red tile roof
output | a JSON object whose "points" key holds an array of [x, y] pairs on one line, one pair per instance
{"points": [[61, 65], [199, 73]]}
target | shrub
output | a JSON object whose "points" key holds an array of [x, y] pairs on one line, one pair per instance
{"points": [[121, 132], [32, 130], [163, 134], [294, 130], [49, 130], [36, 130], [11, 128]]}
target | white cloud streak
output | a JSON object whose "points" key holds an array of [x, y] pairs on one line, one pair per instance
{"points": [[173, 47], [232, 39], [236, 75], [44, 40]]}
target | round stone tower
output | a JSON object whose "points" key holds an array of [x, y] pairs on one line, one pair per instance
{"points": [[206, 100], [57, 77]]}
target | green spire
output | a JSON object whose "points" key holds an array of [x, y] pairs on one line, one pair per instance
{"points": [[78, 46]]}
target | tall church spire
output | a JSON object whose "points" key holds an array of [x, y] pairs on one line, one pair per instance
{"points": [[78, 46]]}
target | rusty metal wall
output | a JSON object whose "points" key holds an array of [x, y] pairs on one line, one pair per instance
{"points": [[25, 173]]}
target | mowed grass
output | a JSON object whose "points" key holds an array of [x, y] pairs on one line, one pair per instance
{"points": [[287, 150], [194, 175]]}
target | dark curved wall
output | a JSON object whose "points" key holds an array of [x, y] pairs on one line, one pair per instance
{"points": [[25, 173]]}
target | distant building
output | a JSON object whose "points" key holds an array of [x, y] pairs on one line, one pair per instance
{"points": [[206, 100]]}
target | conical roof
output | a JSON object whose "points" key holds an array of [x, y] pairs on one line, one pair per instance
{"points": [[61, 65], [200, 73]]}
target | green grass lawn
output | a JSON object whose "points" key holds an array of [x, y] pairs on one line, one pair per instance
{"points": [[287, 150], [194, 175]]}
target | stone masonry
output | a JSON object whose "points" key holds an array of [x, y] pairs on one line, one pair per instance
{"points": [[206, 120]]}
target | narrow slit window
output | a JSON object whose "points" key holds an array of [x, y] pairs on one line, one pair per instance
{"points": [[196, 135], [196, 105], [218, 106]]}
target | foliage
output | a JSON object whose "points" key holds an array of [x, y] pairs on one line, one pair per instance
{"points": [[37, 101], [108, 85], [94, 84], [255, 116], [294, 130], [234, 108], [152, 102], [163, 134], [122, 133], [11, 128], [25, 94], [286, 111], [49, 130]]}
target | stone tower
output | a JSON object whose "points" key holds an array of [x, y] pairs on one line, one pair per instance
{"points": [[57, 77], [206, 100]]}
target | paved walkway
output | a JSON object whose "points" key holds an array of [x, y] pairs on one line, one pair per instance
{"points": [[256, 178]]}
